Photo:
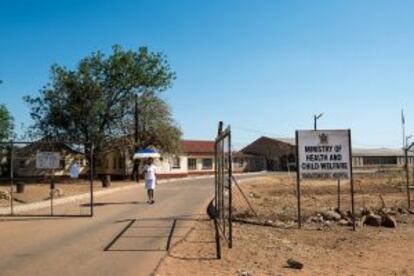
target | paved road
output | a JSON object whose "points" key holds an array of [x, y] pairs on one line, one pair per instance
{"points": [[125, 237]]}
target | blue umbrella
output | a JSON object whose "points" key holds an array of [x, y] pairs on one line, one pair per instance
{"points": [[146, 153]]}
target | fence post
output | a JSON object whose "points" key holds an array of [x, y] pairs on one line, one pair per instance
{"points": [[352, 181], [339, 194], [298, 181], [11, 179], [91, 164], [230, 168]]}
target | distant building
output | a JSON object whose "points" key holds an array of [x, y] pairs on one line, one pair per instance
{"points": [[280, 155], [196, 158], [380, 158], [24, 160]]}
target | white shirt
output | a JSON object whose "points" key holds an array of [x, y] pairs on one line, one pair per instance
{"points": [[150, 171]]}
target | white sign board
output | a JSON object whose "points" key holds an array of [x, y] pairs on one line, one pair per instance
{"points": [[324, 154], [48, 160]]}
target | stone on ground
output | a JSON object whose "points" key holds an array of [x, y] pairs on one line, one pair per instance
{"points": [[294, 264], [373, 220], [331, 215], [388, 221]]}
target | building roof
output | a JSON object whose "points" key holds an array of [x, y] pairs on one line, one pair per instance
{"points": [[270, 147], [197, 147], [263, 144], [378, 152]]}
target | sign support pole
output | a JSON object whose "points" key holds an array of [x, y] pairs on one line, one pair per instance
{"points": [[407, 177], [339, 194], [298, 180], [351, 181]]}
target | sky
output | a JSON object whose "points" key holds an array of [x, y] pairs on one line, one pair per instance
{"points": [[264, 67]]}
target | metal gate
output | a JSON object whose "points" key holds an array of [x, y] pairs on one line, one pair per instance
{"points": [[223, 184], [46, 178]]}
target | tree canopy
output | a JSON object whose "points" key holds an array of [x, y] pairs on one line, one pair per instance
{"points": [[94, 102], [6, 123]]}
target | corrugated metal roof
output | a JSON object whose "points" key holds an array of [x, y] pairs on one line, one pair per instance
{"points": [[356, 151], [197, 147], [378, 152]]}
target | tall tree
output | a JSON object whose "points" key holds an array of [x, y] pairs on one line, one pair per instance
{"points": [[6, 123], [156, 126], [93, 102]]}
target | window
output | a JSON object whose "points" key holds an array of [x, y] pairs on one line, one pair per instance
{"points": [[386, 160], [176, 164], [238, 161], [207, 164], [114, 163], [120, 163], [22, 164], [192, 164], [62, 163]]}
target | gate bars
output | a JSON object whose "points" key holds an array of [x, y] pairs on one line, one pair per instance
{"points": [[18, 169], [223, 183]]}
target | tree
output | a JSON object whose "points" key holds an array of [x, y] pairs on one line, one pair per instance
{"points": [[156, 127], [6, 123], [93, 103]]}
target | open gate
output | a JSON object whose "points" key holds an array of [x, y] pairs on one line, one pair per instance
{"points": [[46, 178], [223, 184]]}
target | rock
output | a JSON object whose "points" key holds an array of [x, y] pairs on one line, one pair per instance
{"points": [[5, 195], [403, 211], [373, 220], [384, 211], [392, 212], [344, 222], [294, 264], [361, 222], [57, 192], [327, 223], [388, 221], [315, 219], [364, 212], [331, 215], [268, 222], [242, 272]]}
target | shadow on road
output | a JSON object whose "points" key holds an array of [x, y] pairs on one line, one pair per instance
{"points": [[151, 235], [32, 218], [100, 204], [24, 217]]}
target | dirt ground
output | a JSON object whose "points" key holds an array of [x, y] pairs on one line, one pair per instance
{"points": [[36, 192], [324, 249]]}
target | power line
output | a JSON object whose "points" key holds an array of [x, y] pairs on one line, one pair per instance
{"points": [[251, 130]]}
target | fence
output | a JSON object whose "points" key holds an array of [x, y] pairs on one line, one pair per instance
{"points": [[46, 178], [271, 199], [223, 184]]}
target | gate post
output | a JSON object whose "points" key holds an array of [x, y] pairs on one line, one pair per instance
{"points": [[11, 179], [91, 164]]}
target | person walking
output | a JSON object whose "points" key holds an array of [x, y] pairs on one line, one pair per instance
{"points": [[150, 172]]}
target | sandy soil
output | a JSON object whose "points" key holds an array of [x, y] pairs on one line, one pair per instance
{"points": [[327, 250], [35, 192]]}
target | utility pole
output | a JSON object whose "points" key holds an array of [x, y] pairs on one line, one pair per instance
{"points": [[315, 120], [403, 129], [136, 165]]}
